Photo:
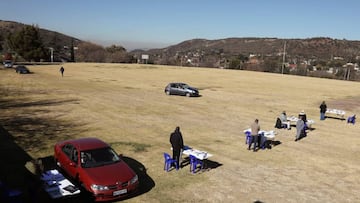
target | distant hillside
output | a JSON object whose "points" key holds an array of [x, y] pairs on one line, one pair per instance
{"points": [[62, 46], [198, 52], [58, 41], [207, 51]]}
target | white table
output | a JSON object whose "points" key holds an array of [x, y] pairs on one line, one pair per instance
{"points": [[201, 155], [268, 134], [197, 153], [336, 112], [294, 119], [56, 185]]}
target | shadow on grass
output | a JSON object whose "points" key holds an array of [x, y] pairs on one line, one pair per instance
{"points": [[146, 183], [272, 143], [31, 123], [13, 174], [31, 126], [24, 128], [208, 164], [7, 104], [336, 118]]}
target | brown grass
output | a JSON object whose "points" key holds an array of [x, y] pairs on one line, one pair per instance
{"points": [[125, 105]]}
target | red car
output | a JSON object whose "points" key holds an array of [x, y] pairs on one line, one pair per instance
{"points": [[96, 167]]}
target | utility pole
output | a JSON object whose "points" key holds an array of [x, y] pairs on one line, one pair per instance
{"points": [[51, 54], [283, 62]]}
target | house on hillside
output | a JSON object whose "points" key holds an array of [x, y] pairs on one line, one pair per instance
{"points": [[253, 59]]}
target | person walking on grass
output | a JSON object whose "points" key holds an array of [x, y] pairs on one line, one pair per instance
{"points": [[62, 71]]}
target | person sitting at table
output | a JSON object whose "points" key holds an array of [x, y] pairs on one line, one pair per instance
{"points": [[284, 120], [177, 144], [255, 128]]}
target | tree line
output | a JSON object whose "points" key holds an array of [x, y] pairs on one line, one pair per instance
{"points": [[27, 44]]}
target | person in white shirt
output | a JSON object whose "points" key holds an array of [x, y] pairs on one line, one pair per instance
{"points": [[284, 120]]}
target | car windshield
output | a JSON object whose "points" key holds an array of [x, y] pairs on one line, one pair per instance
{"points": [[98, 157]]}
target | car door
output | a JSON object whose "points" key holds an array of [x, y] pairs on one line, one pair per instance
{"points": [[178, 89], [174, 88], [70, 161]]}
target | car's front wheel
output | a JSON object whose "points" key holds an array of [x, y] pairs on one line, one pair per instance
{"points": [[188, 94], [167, 92]]}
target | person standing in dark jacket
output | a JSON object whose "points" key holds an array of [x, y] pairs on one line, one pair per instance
{"points": [[323, 109], [62, 71], [177, 144]]}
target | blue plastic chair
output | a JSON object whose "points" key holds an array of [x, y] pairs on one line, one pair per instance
{"points": [[351, 119], [306, 127], [168, 162], [248, 137], [194, 162]]}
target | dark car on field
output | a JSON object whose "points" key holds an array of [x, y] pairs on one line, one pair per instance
{"points": [[22, 70], [96, 167], [178, 88]]}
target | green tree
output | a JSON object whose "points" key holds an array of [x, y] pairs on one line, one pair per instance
{"points": [[271, 65], [238, 61], [28, 44], [114, 48]]}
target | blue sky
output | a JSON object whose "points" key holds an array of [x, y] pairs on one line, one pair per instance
{"points": [[160, 23]]}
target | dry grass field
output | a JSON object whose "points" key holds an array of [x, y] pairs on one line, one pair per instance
{"points": [[125, 105]]}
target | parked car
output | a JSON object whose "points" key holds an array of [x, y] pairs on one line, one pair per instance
{"points": [[22, 70], [8, 64], [96, 167], [181, 89]]}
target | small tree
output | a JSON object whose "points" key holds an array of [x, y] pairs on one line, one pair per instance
{"points": [[28, 44]]}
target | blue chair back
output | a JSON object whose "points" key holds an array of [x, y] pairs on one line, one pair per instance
{"points": [[167, 156], [169, 161], [351, 119], [247, 137], [194, 162]]}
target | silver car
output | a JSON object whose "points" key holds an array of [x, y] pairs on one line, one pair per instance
{"points": [[182, 89], [8, 64]]}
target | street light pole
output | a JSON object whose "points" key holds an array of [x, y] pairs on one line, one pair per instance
{"points": [[51, 54]]}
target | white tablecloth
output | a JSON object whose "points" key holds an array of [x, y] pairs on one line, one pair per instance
{"points": [[197, 153], [268, 134], [294, 119], [56, 185], [336, 111]]}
